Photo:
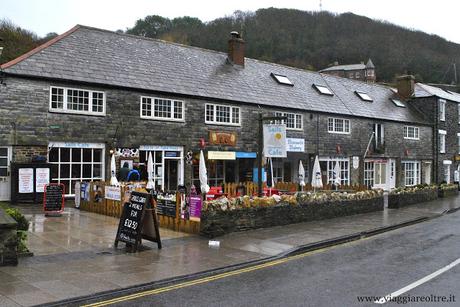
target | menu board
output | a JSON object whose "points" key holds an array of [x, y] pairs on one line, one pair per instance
{"points": [[43, 178], [54, 197], [130, 226], [195, 208], [26, 180], [166, 207]]}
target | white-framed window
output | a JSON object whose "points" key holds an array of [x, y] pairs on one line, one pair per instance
{"points": [[222, 114], [344, 164], [411, 172], [72, 164], [369, 174], [411, 133], [162, 109], [442, 141], [294, 121], [338, 125], [77, 101], [379, 135], [442, 110], [322, 89]]}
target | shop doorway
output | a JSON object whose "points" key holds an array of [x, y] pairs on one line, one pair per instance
{"points": [[5, 176], [380, 175], [171, 174]]}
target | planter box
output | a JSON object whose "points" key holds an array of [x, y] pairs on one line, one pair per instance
{"points": [[217, 223], [447, 193], [407, 199], [8, 240]]}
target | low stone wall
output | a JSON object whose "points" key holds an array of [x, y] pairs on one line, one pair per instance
{"points": [[8, 240], [448, 192], [406, 199], [217, 223]]}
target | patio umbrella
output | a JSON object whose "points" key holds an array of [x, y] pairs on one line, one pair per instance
{"points": [[270, 182], [337, 174], [113, 171], [203, 174], [316, 181], [301, 174], [150, 182]]}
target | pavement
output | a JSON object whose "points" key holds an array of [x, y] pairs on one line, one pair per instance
{"points": [[74, 254]]}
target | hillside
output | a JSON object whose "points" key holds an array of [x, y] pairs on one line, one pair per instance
{"points": [[313, 40]]}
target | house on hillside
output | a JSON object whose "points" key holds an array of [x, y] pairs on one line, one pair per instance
{"points": [[362, 72], [90, 92]]}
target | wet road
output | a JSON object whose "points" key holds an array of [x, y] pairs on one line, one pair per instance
{"points": [[354, 274]]}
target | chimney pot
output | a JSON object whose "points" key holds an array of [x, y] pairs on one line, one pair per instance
{"points": [[236, 49], [405, 86]]}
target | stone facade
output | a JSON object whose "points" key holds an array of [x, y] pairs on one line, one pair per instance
{"points": [[27, 106], [407, 199]]}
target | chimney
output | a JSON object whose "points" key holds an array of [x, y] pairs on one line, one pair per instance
{"points": [[405, 85], [236, 49]]}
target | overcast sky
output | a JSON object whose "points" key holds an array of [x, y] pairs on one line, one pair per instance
{"points": [[43, 16]]}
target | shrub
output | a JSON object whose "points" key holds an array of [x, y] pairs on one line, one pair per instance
{"points": [[23, 223]]}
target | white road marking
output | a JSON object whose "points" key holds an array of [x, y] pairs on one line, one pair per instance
{"points": [[387, 298]]}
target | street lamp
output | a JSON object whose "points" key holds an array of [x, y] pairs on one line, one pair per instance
{"points": [[260, 148]]}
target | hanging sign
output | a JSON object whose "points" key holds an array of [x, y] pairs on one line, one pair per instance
{"points": [[275, 141], [355, 162], [42, 178], [26, 180]]}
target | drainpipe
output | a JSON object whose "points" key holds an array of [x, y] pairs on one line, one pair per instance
{"points": [[435, 143]]}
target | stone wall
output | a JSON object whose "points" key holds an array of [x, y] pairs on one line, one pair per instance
{"points": [[448, 192], [217, 223], [407, 199], [8, 240]]}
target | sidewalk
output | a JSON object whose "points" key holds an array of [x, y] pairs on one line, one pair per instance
{"points": [[74, 254]]}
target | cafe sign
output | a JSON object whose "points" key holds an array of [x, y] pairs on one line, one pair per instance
{"points": [[221, 155], [222, 138], [275, 141]]}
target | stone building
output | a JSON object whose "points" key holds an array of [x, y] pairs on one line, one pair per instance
{"points": [[362, 72], [90, 92]]}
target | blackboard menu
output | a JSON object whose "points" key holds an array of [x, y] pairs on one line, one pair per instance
{"points": [[130, 227], [166, 207], [53, 198]]}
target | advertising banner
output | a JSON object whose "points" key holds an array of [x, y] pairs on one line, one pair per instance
{"points": [[275, 141]]}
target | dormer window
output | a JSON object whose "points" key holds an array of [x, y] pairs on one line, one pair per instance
{"points": [[363, 96], [398, 103], [323, 89], [282, 79]]}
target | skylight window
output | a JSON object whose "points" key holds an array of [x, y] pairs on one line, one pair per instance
{"points": [[323, 89], [398, 103], [363, 96], [282, 79]]}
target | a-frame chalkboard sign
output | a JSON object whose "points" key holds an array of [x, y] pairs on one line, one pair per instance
{"points": [[53, 199], [138, 221]]}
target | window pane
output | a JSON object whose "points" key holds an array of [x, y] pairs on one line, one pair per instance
{"points": [[66, 186], [162, 108], [97, 171], [178, 109], [87, 155], [54, 170], [3, 162], [76, 154], [3, 172], [76, 170], [97, 155], [222, 114], [65, 154], [87, 171], [65, 170], [146, 106], [3, 152], [209, 113], [235, 115]]}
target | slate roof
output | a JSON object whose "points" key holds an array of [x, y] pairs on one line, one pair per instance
{"points": [[425, 90], [97, 56]]}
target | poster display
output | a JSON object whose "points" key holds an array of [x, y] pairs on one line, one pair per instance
{"points": [[42, 179], [112, 192], [275, 141], [26, 180]]}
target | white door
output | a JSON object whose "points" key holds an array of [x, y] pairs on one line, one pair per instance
{"points": [[391, 173], [380, 175], [427, 172], [5, 176]]}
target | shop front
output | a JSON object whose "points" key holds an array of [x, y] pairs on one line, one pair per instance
{"points": [[327, 165], [5, 176]]}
